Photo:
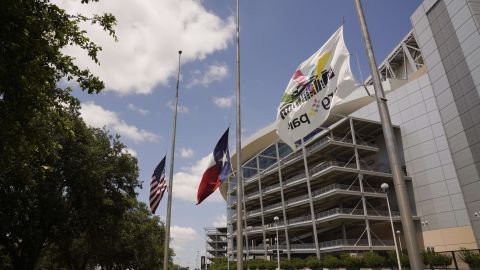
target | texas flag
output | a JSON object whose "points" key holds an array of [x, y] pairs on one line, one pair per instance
{"points": [[218, 169]]}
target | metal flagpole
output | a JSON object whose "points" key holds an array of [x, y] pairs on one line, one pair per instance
{"points": [[398, 179], [238, 150], [170, 177]]}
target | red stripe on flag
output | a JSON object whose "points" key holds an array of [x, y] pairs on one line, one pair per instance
{"points": [[209, 183]]}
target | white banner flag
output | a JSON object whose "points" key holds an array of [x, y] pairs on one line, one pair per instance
{"points": [[316, 86]]}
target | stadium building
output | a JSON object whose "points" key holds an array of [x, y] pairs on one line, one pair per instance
{"points": [[216, 241], [327, 194]]}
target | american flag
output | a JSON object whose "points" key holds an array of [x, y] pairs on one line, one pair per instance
{"points": [[157, 185]]}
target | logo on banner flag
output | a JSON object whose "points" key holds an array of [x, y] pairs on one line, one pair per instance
{"points": [[315, 87]]}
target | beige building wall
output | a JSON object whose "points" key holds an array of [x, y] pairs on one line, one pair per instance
{"points": [[450, 239]]}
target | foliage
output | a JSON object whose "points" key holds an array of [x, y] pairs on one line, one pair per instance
{"points": [[270, 265], [330, 261], [350, 262], [373, 260], [392, 259], [67, 191], [471, 258], [286, 264], [313, 262], [432, 259], [298, 263]]}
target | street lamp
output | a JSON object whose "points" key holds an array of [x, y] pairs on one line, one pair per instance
{"points": [[385, 187], [228, 255], [275, 219], [399, 240]]}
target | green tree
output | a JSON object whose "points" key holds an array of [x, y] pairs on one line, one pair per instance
{"points": [[67, 192], [35, 115]]}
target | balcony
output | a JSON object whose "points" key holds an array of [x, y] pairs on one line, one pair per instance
{"points": [[316, 194], [252, 195], [314, 171], [328, 214], [352, 244]]}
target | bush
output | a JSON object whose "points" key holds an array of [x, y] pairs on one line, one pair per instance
{"points": [[350, 262], [298, 263], [331, 262], [471, 258], [270, 265], [432, 259], [313, 262], [254, 264], [392, 259], [373, 260], [286, 264]]}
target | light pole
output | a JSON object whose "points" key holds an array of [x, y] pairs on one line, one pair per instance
{"points": [[198, 259], [399, 240], [385, 187], [228, 255], [275, 219]]}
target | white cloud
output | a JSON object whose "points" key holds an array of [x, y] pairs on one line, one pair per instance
{"points": [[215, 72], [130, 151], [96, 116], [187, 181], [224, 102], [182, 237], [180, 108], [186, 152], [137, 109], [150, 33], [220, 221]]}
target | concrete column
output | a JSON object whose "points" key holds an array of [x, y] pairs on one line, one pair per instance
{"points": [[360, 180], [312, 211], [261, 208], [287, 240]]}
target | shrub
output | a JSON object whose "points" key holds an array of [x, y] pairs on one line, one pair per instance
{"points": [[373, 260], [331, 262], [350, 262], [392, 259], [298, 263], [432, 259], [253, 264], [286, 264], [471, 258], [313, 262], [270, 265]]}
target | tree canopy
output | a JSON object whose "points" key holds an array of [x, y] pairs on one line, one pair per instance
{"points": [[67, 191]]}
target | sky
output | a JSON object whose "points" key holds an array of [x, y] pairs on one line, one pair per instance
{"points": [[140, 69]]}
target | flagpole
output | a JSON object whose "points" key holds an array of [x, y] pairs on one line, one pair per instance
{"points": [[398, 179], [170, 177], [238, 150]]}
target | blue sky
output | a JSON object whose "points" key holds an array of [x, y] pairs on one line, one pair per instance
{"points": [[140, 71]]}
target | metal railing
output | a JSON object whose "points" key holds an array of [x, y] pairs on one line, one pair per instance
{"points": [[271, 187], [318, 193], [271, 206], [252, 194], [328, 244], [295, 178], [290, 157]]}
